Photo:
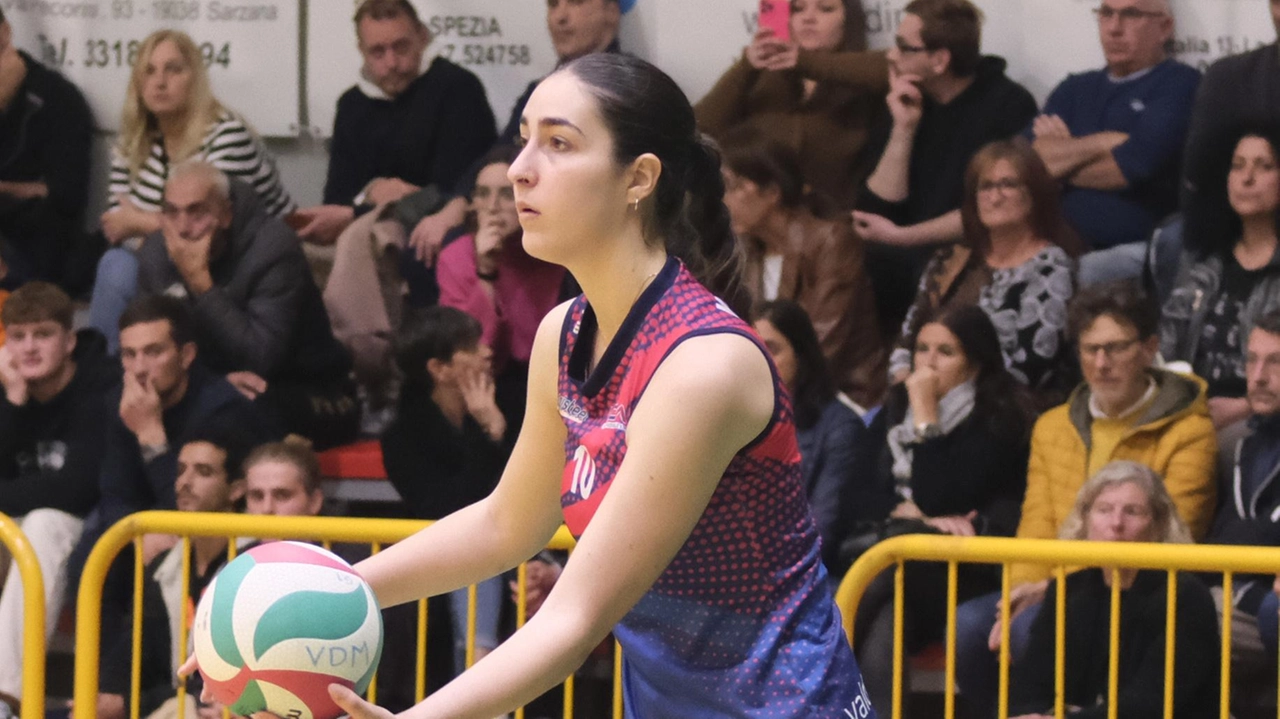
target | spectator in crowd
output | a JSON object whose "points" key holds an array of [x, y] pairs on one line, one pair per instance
{"points": [[795, 251], [51, 445], [1114, 137], [487, 274], [1237, 91], [282, 479], [208, 478], [1230, 278], [165, 396], [955, 462], [406, 125], [449, 444], [1248, 495], [577, 28], [946, 101], [170, 116], [830, 434], [1126, 409], [1016, 263], [1123, 502], [818, 92], [258, 315], [45, 135]]}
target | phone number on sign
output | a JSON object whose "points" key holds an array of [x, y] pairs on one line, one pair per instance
{"points": [[476, 54], [100, 53]]}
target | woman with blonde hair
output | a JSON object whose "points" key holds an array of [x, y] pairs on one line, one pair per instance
{"points": [[170, 115], [1123, 502]]}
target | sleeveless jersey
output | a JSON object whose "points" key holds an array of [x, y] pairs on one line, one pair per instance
{"points": [[741, 623]]}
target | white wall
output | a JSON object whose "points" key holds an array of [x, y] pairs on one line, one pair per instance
{"points": [[696, 40]]}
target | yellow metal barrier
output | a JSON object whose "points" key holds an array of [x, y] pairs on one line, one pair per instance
{"points": [[1060, 555], [33, 639], [325, 530]]}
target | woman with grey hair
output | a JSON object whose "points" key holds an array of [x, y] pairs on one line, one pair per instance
{"points": [[1123, 502]]}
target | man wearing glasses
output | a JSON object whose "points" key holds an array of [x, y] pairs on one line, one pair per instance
{"points": [[1125, 409], [1114, 136], [946, 101]]}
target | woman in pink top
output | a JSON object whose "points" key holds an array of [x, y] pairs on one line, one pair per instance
{"points": [[488, 275]]}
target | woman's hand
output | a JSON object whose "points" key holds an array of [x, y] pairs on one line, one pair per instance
{"points": [[767, 52], [127, 220], [955, 524], [488, 242], [922, 393], [353, 705], [906, 510], [1226, 411]]}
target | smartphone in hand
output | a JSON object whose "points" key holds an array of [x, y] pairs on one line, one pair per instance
{"points": [[776, 15]]}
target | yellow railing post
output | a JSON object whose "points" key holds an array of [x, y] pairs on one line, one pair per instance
{"points": [[33, 617]]}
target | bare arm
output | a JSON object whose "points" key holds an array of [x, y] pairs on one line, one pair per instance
{"points": [[694, 417], [939, 230], [507, 527]]}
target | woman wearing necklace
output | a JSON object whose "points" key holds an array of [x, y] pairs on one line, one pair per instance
{"points": [[1016, 263], [656, 430], [1230, 276]]}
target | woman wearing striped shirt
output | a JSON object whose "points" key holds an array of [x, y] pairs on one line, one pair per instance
{"points": [[170, 115]]}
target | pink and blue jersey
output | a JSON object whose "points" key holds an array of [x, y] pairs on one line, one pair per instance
{"points": [[741, 623]]}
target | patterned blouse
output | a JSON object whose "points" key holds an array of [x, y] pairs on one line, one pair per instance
{"points": [[1027, 304]]}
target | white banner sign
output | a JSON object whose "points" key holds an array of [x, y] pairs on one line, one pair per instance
{"points": [[504, 42], [249, 46]]}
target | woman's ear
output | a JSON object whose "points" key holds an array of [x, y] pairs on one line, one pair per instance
{"points": [[645, 171], [437, 369]]}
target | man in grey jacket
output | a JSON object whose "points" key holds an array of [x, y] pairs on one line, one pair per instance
{"points": [[259, 316]]}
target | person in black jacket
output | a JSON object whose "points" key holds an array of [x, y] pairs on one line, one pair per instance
{"points": [[954, 462], [403, 127], [46, 130], [946, 101], [832, 437], [259, 317], [1123, 502], [448, 445], [51, 444]]}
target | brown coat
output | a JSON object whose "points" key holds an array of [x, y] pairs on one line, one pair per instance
{"points": [[828, 130], [822, 271]]}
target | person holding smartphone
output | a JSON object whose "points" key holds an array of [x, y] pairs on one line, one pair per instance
{"points": [[814, 88]]}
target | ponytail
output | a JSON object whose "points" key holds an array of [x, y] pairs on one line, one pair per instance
{"points": [[646, 112]]}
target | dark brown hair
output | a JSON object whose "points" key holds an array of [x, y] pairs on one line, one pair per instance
{"points": [[1123, 300], [1046, 205], [953, 25]]}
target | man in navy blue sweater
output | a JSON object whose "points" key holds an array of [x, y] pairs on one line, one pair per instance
{"points": [[1114, 136]]}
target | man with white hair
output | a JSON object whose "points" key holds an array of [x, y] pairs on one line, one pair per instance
{"points": [[1114, 136], [258, 313]]}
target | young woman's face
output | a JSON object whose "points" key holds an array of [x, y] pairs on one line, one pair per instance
{"points": [[166, 80], [939, 349], [1003, 199], [749, 204], [1120, 513], [784, 355], [492, 199], [817, 24], [1253, 184], [570, 193]]}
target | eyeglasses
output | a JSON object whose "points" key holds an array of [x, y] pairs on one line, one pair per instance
{"points": [[905, 48], [1110, 349], [1126, 15], [1005, 186]]}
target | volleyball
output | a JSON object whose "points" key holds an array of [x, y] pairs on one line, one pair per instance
{"points": [[281, 622]]}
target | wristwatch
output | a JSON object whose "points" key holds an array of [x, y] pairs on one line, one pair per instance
{"points": [[927, 430]]}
